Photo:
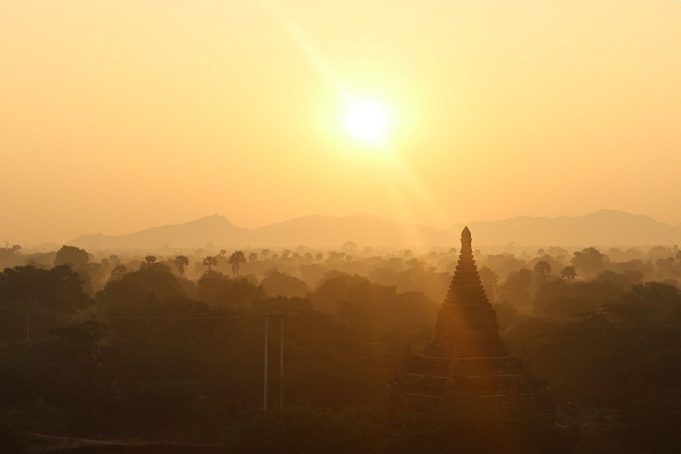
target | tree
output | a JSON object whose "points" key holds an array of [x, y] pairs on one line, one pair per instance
{"points": [[130, 293], [490, 281], [517, 289], [71, 255], [350, 247], [589, 261], [414, 263], [280, 284], [149, 262], [210, 262], [9, 255], [542, 270], [253, 257], [334, 256], [118, 273], [58, 289], [223, 253], [181, 261], [236, 259], [568, 273], [216, 289]]}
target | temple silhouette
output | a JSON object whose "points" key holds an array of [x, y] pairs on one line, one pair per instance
{"points": [[466, 359]]}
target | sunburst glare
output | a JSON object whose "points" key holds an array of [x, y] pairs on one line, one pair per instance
{"points": [[367, 120]]}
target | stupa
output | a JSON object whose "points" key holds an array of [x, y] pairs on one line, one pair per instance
{"points": [[467, 358]]}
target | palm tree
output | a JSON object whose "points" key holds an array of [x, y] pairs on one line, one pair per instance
{"points": [[210, 262], [236, 259], [569, 273], [181, 261], [148, 263]]}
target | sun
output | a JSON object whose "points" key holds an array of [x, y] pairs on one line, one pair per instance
{"points": [[366, 120]]}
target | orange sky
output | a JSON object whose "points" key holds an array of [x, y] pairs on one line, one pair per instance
{"points": [[119, 115]]}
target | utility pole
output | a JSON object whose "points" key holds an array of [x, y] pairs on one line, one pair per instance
{"points": [[264, 393], [265, 380], [281, 361], [28, 324]]}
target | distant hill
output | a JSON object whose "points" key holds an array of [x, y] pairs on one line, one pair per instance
{"points": [[605, 227], [314, 231], [198, 233], [363, 229]]}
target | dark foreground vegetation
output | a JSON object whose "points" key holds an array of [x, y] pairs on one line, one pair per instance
{"points": [[167, 352]]}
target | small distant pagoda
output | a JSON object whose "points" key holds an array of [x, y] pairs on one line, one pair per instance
{"points": [[467, 359]]}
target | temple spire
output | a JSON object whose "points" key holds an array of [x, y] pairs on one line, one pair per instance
{"points": [[467, 324], [466, 287], [466, 238]]}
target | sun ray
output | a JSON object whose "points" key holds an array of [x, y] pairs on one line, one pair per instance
{"points": [[368, 121], [303, 43]]}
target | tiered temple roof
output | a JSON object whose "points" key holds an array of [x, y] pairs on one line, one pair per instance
{"points": [[467, 322], [467, 358]]}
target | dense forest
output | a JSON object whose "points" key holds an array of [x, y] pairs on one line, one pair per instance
{"points": [[169, 348]]}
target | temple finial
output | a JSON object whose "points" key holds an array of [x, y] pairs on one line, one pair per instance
{"points": [[466, 238]]}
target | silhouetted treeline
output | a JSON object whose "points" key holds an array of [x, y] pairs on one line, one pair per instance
{"points": [[171, 348]]}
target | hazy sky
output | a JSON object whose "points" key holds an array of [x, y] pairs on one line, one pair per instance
{"points": [[123, 114]]}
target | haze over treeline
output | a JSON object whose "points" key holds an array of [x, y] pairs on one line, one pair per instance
{"points": [[168, 348]]}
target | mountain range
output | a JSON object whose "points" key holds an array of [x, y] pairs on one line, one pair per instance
{"points": [[604, 227]]}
